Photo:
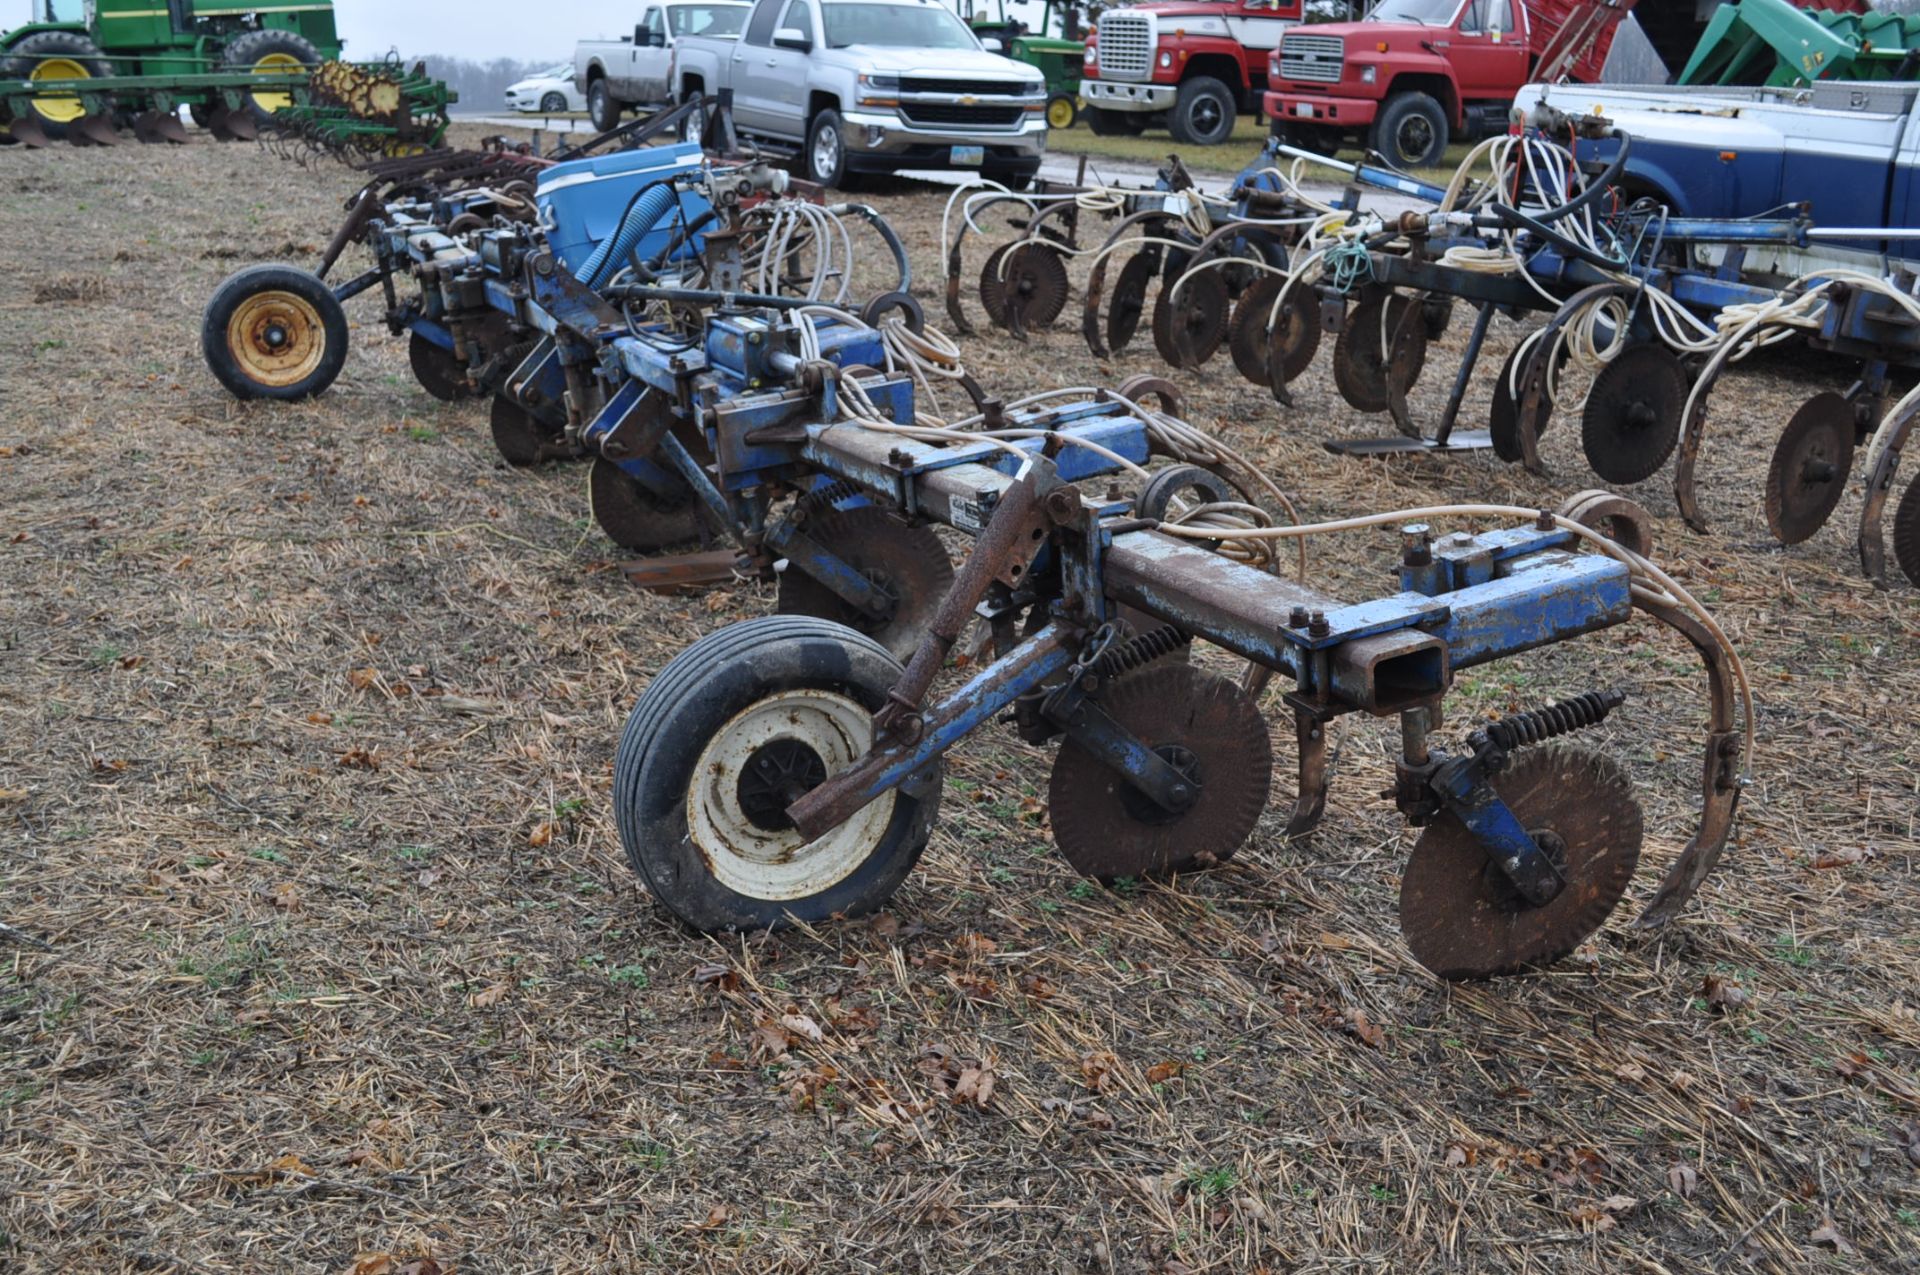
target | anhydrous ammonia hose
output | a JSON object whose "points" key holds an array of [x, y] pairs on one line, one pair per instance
{"points": [[892, 239], [648, 207]]}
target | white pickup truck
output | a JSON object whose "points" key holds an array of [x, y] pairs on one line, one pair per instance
{"points": [[872, 86], [614, 75]]}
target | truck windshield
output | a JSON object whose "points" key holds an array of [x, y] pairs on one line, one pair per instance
{"points": [[1428, 13], [707, 19], [906, 26], [60, 11]]}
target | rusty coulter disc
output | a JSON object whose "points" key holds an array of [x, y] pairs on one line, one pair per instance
{"points": [[1810, 467], [1211, 731], [907, 566], [1189, 327], [1460, 914], [1632, 418]]}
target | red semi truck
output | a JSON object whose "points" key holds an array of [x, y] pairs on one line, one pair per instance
{"points": [[1192, 66]]}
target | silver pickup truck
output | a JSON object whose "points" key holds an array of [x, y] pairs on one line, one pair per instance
{"points": [[872, 86], [632, 71]]}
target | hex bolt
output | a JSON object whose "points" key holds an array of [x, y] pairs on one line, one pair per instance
{"points": [[1297, 618], [1416, 544], [1544, 521], [1317, 625]]}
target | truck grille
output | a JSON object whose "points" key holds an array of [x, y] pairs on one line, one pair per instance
{"points": [[1312, 57], [938, 114], [979, 88], [1126, 46]]}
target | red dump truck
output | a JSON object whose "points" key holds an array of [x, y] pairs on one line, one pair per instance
{"points": [[1417, 74], [1190, 66]]}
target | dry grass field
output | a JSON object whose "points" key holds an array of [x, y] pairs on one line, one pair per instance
{"points": [[322, 952]]}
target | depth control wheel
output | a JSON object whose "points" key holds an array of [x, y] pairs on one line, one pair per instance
{"points": [[727, 736], [274, 332]]}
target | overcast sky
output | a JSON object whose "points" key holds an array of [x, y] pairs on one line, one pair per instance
{"points": [[526, 30]]}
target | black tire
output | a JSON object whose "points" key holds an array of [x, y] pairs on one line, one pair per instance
{"points": [[603, 108], [1411, 131], [1110, 123], [823, 155], [255, 47], [690, 726], [238, 334], [37, 48], [1203, 113], [554, 104]]}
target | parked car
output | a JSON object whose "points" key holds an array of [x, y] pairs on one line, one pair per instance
{"points": [[872, 86], [615, 75], [550, 92]]}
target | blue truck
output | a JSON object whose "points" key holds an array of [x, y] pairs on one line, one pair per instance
{"points": [[1849, 150]]}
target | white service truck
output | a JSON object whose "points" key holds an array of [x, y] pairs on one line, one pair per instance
{"points": [[631, 71]]}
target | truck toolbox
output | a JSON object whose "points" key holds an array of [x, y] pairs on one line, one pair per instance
{"points": [[583, 201]]}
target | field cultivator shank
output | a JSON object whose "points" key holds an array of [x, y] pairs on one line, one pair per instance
{"points": [[787, 770]]}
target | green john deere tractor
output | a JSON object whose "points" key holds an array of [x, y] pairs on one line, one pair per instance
{"points": [[143, 44], [1057, 59]]}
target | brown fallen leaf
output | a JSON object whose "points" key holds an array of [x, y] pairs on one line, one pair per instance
{"points": [[803, 1027], [372, 1264], [716, 1218], [1683, 1181], [1096, 1066], [285, 896], [1161, 1072], [770, 1041], [1458, 1155], [1354, 1022], [1843, 858], [9, 795], [291, 1165], [721, 976], [362, 678], [542, 834], [360, 759], [978, 945], [1723, 993], [1827, 1233], [490, 995], [974, 1088]]}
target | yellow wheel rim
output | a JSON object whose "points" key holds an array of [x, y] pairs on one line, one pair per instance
{"points": [[276, 338], [59, 108], [275, 64], [1060, 113]]}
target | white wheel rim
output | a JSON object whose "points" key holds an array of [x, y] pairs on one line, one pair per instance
{"points": [[696, 127], [826, 150], [763, 863]]}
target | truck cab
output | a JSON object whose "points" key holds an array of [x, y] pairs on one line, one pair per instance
{"points": [[1409, 79], [615, 75], [1193, 66]]}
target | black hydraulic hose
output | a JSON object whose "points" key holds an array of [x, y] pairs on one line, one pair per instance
{"points": [[1598, 187], [709, 296], [892, 238], [680, 237]]}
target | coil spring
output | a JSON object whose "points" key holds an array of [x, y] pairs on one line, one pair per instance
{"points": [[1138, 652], [1588, 708]]}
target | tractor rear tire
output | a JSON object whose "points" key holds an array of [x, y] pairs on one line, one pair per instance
{"points": [[270, 52], [56, 55]]}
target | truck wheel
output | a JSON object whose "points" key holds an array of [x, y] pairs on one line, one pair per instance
{"points": [[55, 55], [602, 107], [1110, 123], [270, 53], [825, 156], [1411, 131], [274, 332], [724, 737], [1203, 112]]}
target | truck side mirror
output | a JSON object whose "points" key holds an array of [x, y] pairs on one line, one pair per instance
{"points": [[792, 38]]}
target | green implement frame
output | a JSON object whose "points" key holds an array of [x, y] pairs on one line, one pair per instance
{"points": [[1775, 43]]}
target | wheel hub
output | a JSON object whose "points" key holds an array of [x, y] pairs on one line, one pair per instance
{"points": [[779, 773]]}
